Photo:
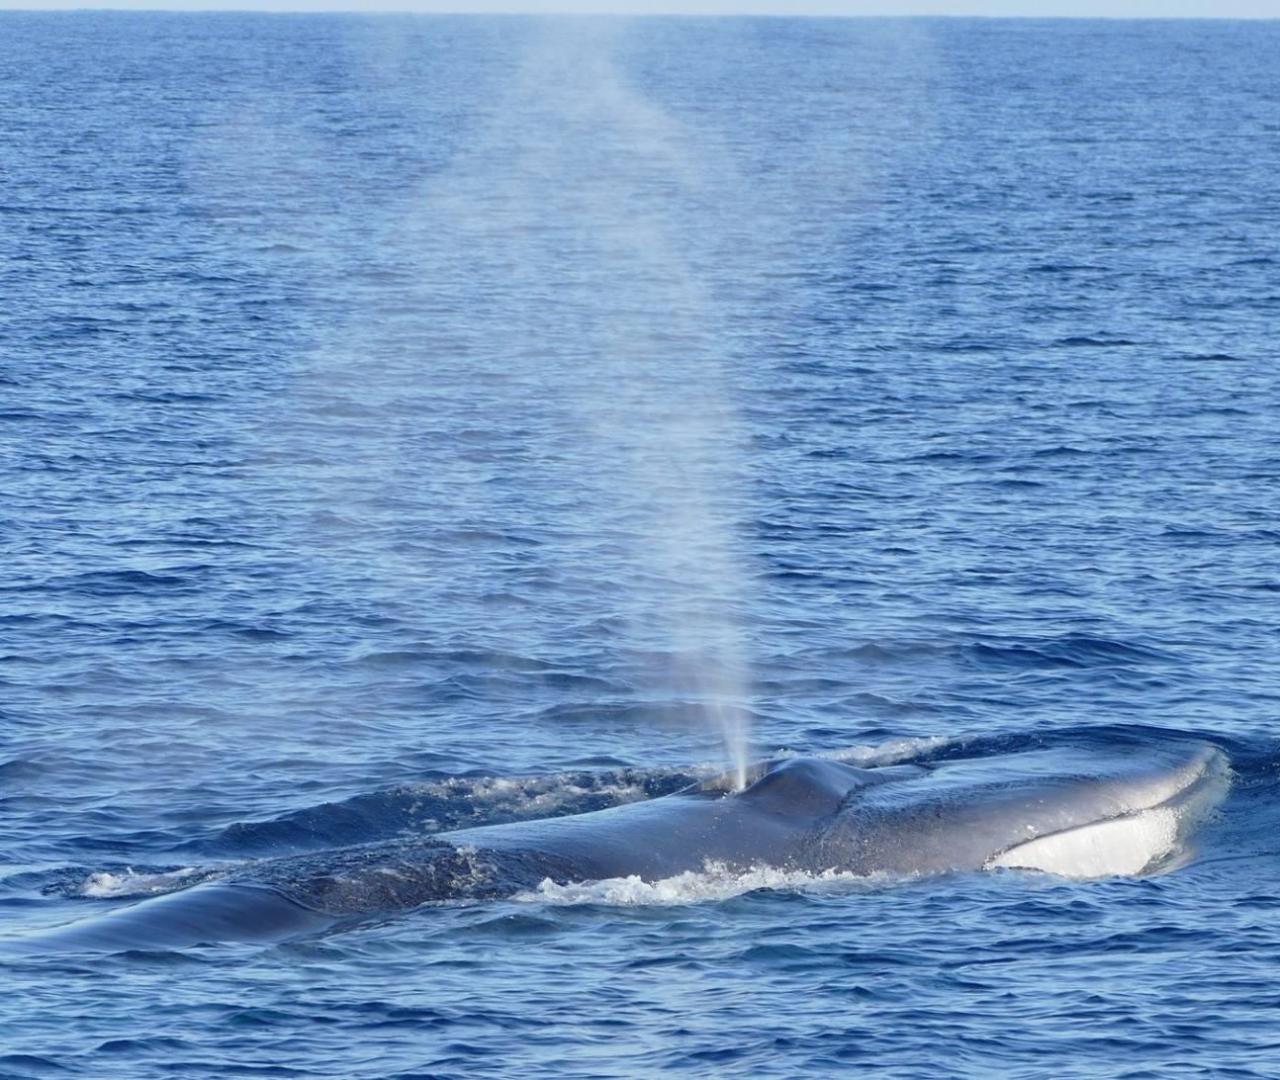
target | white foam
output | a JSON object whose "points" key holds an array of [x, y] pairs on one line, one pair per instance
{"points": [[105, 885], [890, 752], [713, 883], [534, 796]]}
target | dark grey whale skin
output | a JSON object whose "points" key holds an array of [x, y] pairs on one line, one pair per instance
{"points": [[203, 914], [804, 814], [772, 823], [765, 824]]}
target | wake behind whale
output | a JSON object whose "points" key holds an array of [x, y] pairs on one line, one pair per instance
{"points": [[1074, 811]]}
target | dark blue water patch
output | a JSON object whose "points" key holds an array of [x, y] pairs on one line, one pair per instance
{"points": [[1062, 268], [120, 582], [1070, 651], [134, 1046], [1085, 342], [20, 769], [1216, 357], [33, 1065]]}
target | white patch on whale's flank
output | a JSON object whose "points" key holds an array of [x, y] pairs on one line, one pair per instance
{"points": [[713, 883], [1150, 836], [105, 885], [1123, 846]]}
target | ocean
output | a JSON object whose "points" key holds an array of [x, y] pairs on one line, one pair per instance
{"points": [[409, 423]]}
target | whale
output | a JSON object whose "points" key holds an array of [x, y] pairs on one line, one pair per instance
{"points": [[1073, 812]]}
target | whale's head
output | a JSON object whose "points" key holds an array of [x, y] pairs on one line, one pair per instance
{"points": [[1074, 813]]}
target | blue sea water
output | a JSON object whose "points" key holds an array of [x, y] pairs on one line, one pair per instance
{"points": [[414, 422]]}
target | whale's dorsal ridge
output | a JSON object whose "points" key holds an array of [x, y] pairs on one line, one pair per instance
{"points": [[807, 786]]}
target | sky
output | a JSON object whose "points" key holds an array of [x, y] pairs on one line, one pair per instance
{"points": [[1077, 8]]}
